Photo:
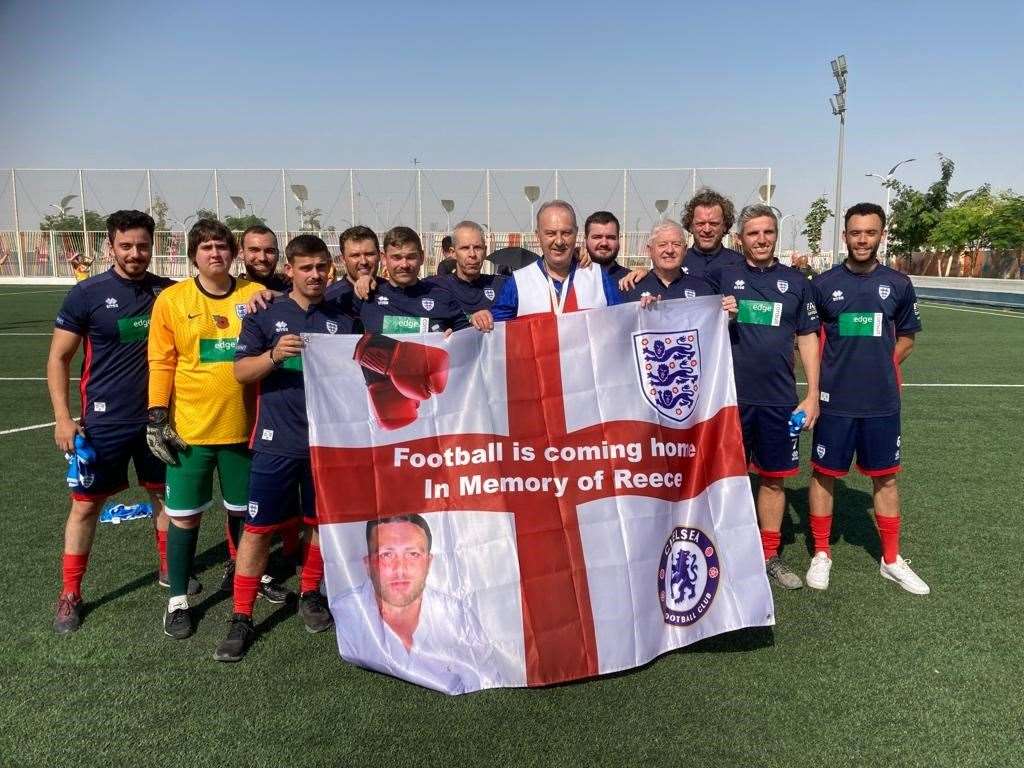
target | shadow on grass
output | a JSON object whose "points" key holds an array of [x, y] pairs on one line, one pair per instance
{"points": [[853, 519]]}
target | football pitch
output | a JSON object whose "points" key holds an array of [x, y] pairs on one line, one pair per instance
{"points": [[864, 673]]}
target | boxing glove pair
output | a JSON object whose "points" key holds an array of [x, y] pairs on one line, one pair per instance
{"points": [[399, 376]]}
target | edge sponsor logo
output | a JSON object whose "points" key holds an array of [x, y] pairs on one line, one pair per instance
{"points": [[688, 576]]}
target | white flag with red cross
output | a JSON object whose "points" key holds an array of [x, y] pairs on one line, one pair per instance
{"points": [[562, 498]]}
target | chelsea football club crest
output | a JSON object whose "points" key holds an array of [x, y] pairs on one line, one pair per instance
{"points": [[240, 311], [884, 291], [331, 326], [428, 304], [489, 293], [668, 363], [782, 285], [688, 576]]}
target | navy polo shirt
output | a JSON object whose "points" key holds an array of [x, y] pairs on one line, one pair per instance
{"points": [[683, 287], [862, 315], [614, 270], [112, 314], [776, 303], [281, 425], [419, 308], [471, 296], [339, 289], [696, 262]]}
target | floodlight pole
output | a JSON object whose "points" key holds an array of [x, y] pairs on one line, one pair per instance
{"points": [[85, 227], [838, 102], [887, 183], [17, 223]]}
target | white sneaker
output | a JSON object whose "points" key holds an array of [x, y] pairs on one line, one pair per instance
{"points": [[902, 574], [817, 574]]}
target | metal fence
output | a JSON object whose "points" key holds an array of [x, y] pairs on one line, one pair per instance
{"points": [[46, 215]]}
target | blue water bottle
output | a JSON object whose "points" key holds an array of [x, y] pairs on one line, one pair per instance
{"points": [[796, 423], [119, 513]]}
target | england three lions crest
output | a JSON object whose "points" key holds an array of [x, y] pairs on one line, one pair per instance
{"points": [[668, 363]]}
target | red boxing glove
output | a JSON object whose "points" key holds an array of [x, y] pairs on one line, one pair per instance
{"points": [[391, 408], [416, 370]]}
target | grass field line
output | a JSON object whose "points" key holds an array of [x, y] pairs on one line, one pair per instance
{"points": [[967, 386], [26, 429], [1007, 313], [25, 293], [23, 333], [30, 378]]}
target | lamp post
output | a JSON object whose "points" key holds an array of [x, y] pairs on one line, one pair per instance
{"points": [[887, 183], [449, 206], [532, 194], [301, 194], [661, 206], [778, 235], [838, 104]]}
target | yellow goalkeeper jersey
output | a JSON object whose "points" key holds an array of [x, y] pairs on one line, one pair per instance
{"points": [[192, 337]]}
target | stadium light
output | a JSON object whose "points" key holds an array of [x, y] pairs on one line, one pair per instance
{"points": [[838, 104], [887, 183], [532, 194], [449, 206], [661, 206], [301, 194], [766, 193], [64, 205], [238, 201]]}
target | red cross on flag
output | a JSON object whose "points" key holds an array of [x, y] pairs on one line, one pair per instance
{"points": [[562, 498]]}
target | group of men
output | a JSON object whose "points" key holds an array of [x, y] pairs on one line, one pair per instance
{"points": [[172, 373]]}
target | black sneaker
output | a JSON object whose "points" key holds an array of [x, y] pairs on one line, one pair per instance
{"points": [[314, 611], [194, 586], [178, 623], [227, 581], [274, 591], [240, 637], [69, 614]]}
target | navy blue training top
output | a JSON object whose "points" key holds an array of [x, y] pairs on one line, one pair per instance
{"points": [[862, 315], [776, 303], [696, 262], [614, 270], [281, 425], [419, 308], [683, 287], [112, 314], [471, 296]]}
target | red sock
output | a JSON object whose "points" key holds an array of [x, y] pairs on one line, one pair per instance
{"points": [[889, 533], [821, 529], [161, 549], [232, 549], [770, 541], [74, 570], [312, 570], [246, 588], [290, 537]]}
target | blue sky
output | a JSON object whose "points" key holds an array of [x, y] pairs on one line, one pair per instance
{"points": [[463, 85]]}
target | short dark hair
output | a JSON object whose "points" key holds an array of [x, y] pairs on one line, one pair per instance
{"points": [[255, 229], [708, 198], [305, 245], [356, 234], [864, 209], [415, 519], [396, 237], [447, 243], [600, 217], [122, 221], [205, 230]]}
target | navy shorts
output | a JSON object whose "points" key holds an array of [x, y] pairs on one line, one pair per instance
{"points": [[116, 445], [280, 488], [875, 439], [770, 451]]}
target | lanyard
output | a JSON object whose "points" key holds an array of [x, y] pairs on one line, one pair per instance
{"points": [[558, 302]]}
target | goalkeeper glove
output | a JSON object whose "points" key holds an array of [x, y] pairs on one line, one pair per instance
{"points": [[163, 441]]}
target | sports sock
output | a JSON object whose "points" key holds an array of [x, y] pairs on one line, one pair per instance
{"points": [[290, 537], [233, 532], [821, 529], [246, 588], [312, 570], [770, 541], [889, 533], [74, 569], [161, 548], [181, 551]]}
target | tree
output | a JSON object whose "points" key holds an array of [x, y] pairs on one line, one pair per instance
{"points": [[206, 213], [242, 223], [913, 214], [814, 222], [309, 219], [65, 222]]}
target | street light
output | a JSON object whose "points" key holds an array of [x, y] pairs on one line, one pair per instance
{"points": [[532, 194], [887, 183], [449, 206], [301, 194], [64, 206], [838, 104], [661, 206]]}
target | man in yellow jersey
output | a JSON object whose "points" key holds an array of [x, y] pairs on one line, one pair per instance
{"points": [[205, 427]]}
